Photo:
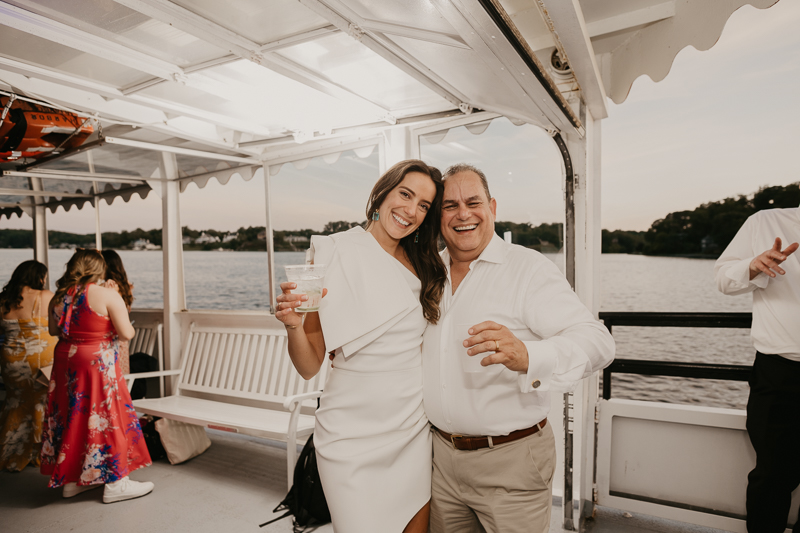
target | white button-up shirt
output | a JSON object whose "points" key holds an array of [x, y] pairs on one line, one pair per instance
{"points": [[776, 301], [521, 289]]}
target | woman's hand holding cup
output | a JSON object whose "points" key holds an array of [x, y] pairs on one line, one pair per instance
{"points": [[287, 302]]}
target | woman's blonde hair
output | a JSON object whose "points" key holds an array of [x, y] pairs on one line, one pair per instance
{"points": [[84, 267]]}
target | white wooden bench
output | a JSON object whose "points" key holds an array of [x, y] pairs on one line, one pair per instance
{"points": [[147, 339], [240, 380]]}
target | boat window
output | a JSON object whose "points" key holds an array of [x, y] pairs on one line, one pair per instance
{"points": [[307, 196]]}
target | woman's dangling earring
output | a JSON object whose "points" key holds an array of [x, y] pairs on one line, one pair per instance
{"points": [[416, 237], [376, 215]]}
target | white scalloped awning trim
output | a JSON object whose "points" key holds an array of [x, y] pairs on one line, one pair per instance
{"points": [[329, 157], [110, 192], [651, 50], [223, 175]]}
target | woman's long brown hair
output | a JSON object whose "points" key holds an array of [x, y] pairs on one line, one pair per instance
{"points": [[423, 254], [116, 271], [84, 267], [31, 274]]}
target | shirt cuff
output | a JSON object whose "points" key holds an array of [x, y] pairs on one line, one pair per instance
{"points": [[739, 273], [542, 359]]}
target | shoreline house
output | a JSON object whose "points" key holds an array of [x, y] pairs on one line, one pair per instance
{"points": [[144, 244], [296, 239], [205, 238]]}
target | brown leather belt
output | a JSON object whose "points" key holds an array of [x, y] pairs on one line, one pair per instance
{"points": [[460, 442]]}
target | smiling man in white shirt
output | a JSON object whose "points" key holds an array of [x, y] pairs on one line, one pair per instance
{"points": [[494, 452], [755, 261]]}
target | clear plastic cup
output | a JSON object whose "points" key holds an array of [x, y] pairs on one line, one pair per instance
{"points": [[309, 282], [469, 363]]}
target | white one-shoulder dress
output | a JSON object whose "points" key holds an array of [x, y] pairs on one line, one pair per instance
{"points": [[372, 436]]}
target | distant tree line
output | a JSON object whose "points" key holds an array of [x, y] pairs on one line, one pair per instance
{"points": [[544, 237], [250, 238], [708, 229], [703, 232]]}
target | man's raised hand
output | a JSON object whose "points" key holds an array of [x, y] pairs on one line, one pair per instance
{"points": [[771, 259]]}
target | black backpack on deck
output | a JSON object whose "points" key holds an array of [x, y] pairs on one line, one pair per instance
{"points": [[142, 362], [305, 499]]}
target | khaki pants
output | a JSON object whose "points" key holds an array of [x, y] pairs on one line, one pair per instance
{"points": [[505, 489]]}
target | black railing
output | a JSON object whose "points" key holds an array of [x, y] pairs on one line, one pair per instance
{"points": [[675, 369]]}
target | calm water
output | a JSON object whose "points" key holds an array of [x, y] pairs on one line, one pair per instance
{"points": [[238, 280]]}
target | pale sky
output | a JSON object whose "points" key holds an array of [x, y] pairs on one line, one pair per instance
{"points": [[722, 123]]}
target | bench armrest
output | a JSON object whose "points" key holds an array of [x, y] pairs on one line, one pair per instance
{"points": [[293, 402], [130, 378]]}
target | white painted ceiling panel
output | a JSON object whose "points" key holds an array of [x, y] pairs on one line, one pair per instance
{"points": [[420, 14], [463, 69], [126, 27], [34, 50], [343, 60], [264, 98], [260, 21]]}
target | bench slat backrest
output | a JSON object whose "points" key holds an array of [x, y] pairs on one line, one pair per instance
{"points": [[243, 363], [144, 340]]}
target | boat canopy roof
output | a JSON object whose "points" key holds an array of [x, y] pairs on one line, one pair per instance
{"points": [[233, 86]]}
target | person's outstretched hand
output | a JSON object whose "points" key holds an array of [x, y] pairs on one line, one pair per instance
{"points": [[771, 259]]}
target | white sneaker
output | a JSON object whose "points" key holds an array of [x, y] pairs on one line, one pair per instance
{"points": [[73, 489], [126, 489]]}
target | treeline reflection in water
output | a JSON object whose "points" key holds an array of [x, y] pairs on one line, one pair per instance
{"points": [[238, 280]]}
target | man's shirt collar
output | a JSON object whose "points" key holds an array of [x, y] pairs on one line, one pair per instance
{"points": [[495, 252]]}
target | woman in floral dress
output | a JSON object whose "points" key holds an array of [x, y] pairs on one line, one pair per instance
{"points": [[27, 348], [92, 437]]}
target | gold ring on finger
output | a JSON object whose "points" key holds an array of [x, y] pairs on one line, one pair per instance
{"points": [[496, 346]]}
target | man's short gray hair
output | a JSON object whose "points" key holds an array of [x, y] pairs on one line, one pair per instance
{"points": [[466, 167]]}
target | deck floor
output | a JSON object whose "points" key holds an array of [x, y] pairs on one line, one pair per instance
{"points": [[232, 487]]}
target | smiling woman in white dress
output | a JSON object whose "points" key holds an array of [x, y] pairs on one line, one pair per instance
{"points": [[384, 285]]}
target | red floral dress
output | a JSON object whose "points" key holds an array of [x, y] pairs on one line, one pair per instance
{"points": [[91, 432]]}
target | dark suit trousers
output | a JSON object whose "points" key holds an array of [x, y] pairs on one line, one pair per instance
{"points": [[773, 424]]}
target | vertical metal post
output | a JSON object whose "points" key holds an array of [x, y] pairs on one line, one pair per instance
{"points": [[270, 242], [569, 267], [172, 245], [569, 201], [41, 243], [568, 500], [98, 237], [584, 204], [590, 294]]}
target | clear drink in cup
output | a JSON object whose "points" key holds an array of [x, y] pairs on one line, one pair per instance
{"points": [[469, 363], [309, 282]]}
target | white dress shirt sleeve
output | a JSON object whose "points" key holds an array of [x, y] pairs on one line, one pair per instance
{"points": [[732, 269], [573, 345]]}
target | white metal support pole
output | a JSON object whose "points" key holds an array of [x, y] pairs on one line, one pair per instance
{"points": [[98, 237], [172, 245], [397, 147], [588, 240], [270, 242], [41, 243]]}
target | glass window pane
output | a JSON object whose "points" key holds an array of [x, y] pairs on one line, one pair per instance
{"points": [[306, 196]]}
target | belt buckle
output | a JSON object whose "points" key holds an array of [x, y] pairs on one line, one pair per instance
{"points": [[452, 440]]}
